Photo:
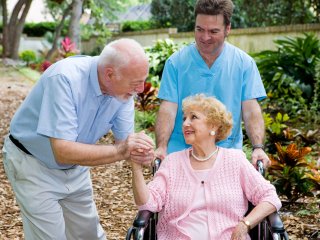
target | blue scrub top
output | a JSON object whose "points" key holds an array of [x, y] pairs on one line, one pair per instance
{"points": [[67, 103], [232, 79]]}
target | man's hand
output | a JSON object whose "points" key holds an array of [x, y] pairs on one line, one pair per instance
{"points": [[161, 153], [138, 147], [259, 154], [145, 157]]}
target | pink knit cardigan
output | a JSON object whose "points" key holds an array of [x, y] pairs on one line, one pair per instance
{"points": [[231, 182]]}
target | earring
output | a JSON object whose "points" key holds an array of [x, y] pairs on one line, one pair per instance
{"points": [[212, 133]]}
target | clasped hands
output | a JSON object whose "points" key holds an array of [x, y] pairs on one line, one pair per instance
{"points": [[140, 148]]}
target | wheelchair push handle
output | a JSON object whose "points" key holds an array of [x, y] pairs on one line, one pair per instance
{"points": [[156, 165], [260, 167]]}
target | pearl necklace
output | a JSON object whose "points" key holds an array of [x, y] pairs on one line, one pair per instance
{"points": [[204, 159]]}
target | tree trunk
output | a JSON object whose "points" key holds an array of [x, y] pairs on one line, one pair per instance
{"points": [[57, 34], [5, 49], [12, 29], [74, 26]]}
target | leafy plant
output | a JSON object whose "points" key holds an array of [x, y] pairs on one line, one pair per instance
{"points": [[276, 130], [68, 48], [289, 73], [28, 56], [145, 120], [278, 124], [288, 171], [314, 176], [158, 54], [147, 100]]}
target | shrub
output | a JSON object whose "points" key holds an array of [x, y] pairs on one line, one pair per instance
{"points": [[289, 73], [137, 26], [41, 28], [288, 172], [158, 54], [28, 56], [175, 13]]}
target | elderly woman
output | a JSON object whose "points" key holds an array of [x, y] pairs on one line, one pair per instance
{"points": [[202, 192]]}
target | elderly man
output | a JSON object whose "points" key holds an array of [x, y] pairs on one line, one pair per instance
{"points": [[53, 137]]}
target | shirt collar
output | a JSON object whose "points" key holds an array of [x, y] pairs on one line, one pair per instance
{"points": [[94, 76]]}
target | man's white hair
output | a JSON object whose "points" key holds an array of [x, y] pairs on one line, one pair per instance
{"points": [[119, 53]]}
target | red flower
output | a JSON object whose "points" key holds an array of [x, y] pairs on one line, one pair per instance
{"points": [[45, 65]]}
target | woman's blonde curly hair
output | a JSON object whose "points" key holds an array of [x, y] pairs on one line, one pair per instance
{"points": [[216, 112]]}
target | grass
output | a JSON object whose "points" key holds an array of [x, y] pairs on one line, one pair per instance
{"points": [[30, 74]]}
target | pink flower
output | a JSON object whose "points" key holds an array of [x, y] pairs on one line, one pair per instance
{"points": [[68, 45]]}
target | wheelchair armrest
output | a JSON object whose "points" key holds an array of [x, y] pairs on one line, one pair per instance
{"points": [[142, 219], [276, 223]]}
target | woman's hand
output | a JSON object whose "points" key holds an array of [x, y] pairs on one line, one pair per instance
{"points": [[240, 232]]}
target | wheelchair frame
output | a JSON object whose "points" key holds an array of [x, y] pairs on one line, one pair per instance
{"points": [[145, 222]]}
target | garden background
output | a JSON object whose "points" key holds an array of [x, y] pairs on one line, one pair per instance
{"points": [[290, 72]]}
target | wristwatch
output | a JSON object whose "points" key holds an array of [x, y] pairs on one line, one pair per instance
{"points": [[247, 223], [254, 146]]}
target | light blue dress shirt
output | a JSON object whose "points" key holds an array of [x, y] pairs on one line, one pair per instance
{"points": [[232, 79], [67, 103]]}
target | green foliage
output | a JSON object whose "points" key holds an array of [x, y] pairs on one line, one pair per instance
{"points": [[278, 124], [49, 37], [247, 150], [247, 13], [145, 121], [41, 28], [314, 176], [311, 209], [276, 130], [289, 73], [288, 172], [99, 11], [158, 54], [87, 31], [315, 106], [28, 56], [30, 74], [181, 18], [131, 26]]}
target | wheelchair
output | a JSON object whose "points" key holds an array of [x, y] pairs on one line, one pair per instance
{"points": [[145, 222]]}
